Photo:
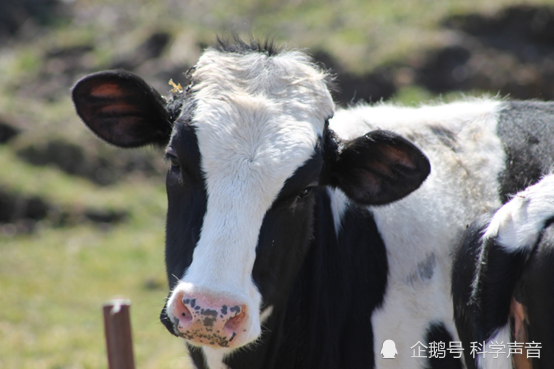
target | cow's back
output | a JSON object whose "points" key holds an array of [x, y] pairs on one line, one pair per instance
{"points": [[526, 129]]}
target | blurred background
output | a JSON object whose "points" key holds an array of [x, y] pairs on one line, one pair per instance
{"points": [[82, 222]]}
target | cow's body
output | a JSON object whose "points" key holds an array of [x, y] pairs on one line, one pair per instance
{"points": [[481, 152], [389, 266], [294, 230], [420, 230], [502, 282], [503, 266]]}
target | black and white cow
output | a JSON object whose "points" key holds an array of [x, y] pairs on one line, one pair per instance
{"points": [[503, 283], [291, 240], [502, 276]]}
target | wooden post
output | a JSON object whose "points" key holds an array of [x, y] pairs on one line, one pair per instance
{"points": [[117, 329]]}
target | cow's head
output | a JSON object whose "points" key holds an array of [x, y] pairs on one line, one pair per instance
{"points": [[248, 145]]}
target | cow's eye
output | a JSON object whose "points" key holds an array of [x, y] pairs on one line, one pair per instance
{"points": [[306, 192], [173, 159]]}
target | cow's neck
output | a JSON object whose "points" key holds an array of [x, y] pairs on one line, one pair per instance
{"points": [[316, 327]]}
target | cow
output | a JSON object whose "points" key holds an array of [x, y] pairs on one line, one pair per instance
{"points": [[299, 235], [502, 283]]}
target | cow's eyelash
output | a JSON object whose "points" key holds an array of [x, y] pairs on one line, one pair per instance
{"points": [[172, 158], [305, 192], [169, 153]]}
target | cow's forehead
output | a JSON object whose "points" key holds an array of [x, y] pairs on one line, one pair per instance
{"points": [[257, 117], [287, 76]]}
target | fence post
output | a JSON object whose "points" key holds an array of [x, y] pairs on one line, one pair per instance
{"points": [[117, 329]]}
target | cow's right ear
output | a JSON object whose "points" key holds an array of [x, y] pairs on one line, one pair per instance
{"points": [[377, 168], [122, 109]]}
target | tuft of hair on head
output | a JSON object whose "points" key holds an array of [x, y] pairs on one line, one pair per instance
{"points": [[235, 44]]}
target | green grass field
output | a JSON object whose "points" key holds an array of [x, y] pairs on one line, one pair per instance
{"points": [[53, 281]]}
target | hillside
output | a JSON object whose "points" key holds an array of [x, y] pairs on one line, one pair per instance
{"points": [[81, 222]]}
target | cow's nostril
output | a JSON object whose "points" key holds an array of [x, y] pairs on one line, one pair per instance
{"points": [[234, 323], [183, 314], [186, 314]]}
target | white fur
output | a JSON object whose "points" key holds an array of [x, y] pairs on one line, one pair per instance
{"points": [[503, 361], [462, 184], [257, 119], [214, 357], [519, 222], [339, 202], [266, 313]]}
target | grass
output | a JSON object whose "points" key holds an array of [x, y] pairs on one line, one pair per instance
{"points": [[54, 282]]}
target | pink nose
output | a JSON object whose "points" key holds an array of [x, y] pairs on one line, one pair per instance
{"points": [[209, 321]]}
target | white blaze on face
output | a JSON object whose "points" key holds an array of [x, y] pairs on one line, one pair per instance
{"points": [[257, 120]]}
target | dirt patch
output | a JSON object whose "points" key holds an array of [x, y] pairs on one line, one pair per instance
{"points": [[100, 169], [511, 53], [351, 88], [58, 72], [8, 131], [152, 48], [18, 15], [20, 214], [14, 207]]}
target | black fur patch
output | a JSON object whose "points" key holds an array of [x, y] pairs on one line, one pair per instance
{"points": [[437, 332], [535, 291], [235, 44], [497, 276], [187, 201], [526, 129], [485, 277]]}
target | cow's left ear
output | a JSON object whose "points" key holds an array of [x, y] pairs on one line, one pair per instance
{"points": [[122, 109], [377, 168]]}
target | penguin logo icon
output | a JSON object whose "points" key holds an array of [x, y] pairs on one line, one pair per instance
{"points": [[389, 349]]}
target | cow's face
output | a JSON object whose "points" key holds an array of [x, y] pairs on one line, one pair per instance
{"points": [[249, 140], [247, 153]]}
